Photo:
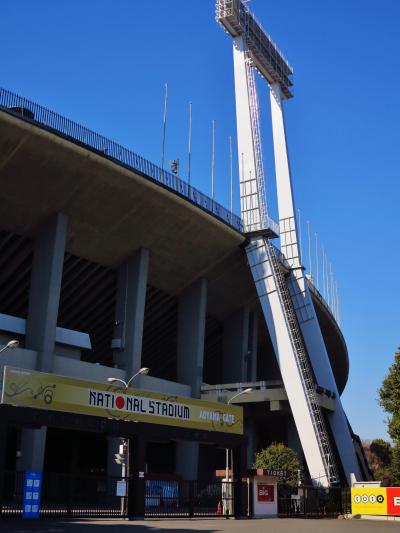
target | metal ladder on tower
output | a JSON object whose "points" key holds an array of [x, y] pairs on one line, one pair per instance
{"points": [[256, 133], [286, 303], [303, 364]]}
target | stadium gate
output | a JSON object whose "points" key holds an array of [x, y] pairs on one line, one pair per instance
{"points": [[74, 496]]}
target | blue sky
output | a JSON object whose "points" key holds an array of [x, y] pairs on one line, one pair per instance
{"points": [[104, 64]]}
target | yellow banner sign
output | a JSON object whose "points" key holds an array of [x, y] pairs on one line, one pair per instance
{"points": [[27, 388], [369, 501]]}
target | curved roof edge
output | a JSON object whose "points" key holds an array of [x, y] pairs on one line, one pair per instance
{"points": [[64, 127], [333, 337]]}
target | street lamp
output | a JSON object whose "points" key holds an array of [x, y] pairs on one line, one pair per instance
{"points": [[141, 371], [11, 345], [125, 442], [245, 391]]}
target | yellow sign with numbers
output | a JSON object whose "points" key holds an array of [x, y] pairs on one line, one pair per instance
{"points": [[369, 501]]}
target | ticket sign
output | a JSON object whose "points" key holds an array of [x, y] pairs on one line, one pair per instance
{"points": [[31, 500], [265, 493], [376, 501]]}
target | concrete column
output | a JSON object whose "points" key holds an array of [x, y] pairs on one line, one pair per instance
{"points": [[3, 452], [250, 431], [240, 347], [129, 313], [137, 468], [32, 449], [44, 299], [191, 330], [252, 347], [44, 294], [249, 199], [187, 460], [239, 471]]}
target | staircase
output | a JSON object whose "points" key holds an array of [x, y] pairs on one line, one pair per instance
{"points": [[303, 364], [255, 126]]}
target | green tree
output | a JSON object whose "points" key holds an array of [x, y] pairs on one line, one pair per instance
{"points": [[389, 395], [379, 456], [382, 450], [389, 398], [277, 456], [395, 465]]}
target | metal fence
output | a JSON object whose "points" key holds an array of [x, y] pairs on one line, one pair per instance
{"points": [[188, 499], [313, 502], [95, 496], [66, 495], [38, 114]]}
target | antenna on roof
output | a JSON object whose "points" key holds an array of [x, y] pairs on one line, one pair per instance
{"points": [[164, 127], [231, 172], [300, 236], [309, 249], [212, 159], [338, 304], [316, 258], [323, 272], [190, 140]]}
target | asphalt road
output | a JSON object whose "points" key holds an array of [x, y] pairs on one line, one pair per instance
{"points": [[278, 525]]}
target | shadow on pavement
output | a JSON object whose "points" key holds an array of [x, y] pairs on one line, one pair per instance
{"points": [[207, 526], [91, 526]]}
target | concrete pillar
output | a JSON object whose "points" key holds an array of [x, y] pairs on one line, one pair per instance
{"points": [[252, 347], [187, 460], [44, 299], [240, 347], [32, 449], [250, 430], [239, 471], [191, 330], [137, 468], [129, 312], [44, 294], [3, 453]]}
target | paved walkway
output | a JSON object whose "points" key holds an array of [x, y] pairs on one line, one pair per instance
{"points": [[208, 526]]}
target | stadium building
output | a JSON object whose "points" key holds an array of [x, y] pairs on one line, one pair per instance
{"points": [[110, 264]]}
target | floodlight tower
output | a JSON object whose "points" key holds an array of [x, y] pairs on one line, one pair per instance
{"points": [[286, 301]]}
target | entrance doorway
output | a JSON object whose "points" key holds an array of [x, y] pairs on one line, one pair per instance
{"points": [[86, 490]]}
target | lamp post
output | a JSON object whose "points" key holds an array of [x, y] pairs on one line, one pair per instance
{"points": [[11, 345], [125, 465], [143, 371], [229, 492]]}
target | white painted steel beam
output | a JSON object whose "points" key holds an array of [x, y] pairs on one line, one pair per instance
{"points": [[249, 201], [298, 287], [275, 318]]}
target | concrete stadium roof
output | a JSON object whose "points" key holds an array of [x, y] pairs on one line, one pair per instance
{"points": [[113, 211]]}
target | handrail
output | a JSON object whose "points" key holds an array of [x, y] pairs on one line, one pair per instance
{"points": [[37, 114], [325, 305], [321, 299]]}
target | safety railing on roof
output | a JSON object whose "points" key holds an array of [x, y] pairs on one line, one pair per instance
{"points": [[41, 116], [324, 303]]}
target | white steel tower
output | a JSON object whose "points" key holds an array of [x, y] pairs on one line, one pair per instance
{"points": [[284, 294]]}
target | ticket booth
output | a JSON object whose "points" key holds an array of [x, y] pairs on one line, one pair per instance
{"points": [[264, 492]]}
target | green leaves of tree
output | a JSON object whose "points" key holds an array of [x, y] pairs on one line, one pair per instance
{"points": [[389, 399], [277, 456]]}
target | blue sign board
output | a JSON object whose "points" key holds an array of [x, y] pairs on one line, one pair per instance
{"points": [[32, 488]]}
